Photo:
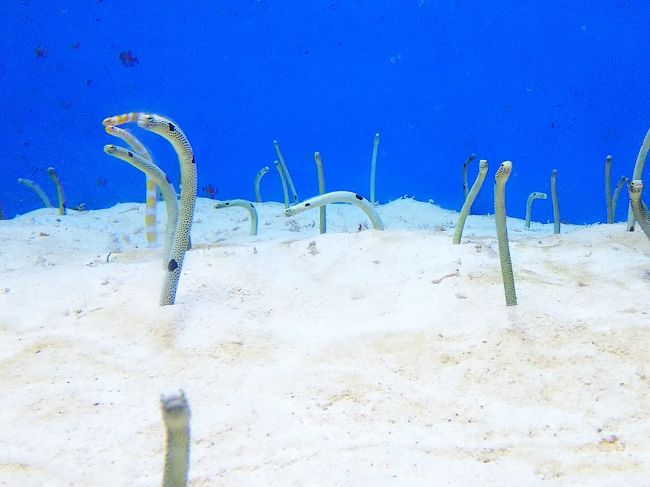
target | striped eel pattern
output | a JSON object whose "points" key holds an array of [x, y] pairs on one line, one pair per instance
{"points": [[150, 201], [159, 178], [176, 416], [122, 119], [641, 213], [500, 179], [180, 243], [339, 197]]}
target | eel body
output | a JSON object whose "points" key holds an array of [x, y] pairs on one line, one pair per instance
{"points": [[469, 200], [339, 197], [181, 240], [244, 204], [176, 417], [159, 178], [500, 179]]}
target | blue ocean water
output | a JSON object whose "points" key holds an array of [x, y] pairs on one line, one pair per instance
{"points": [[547, 84]]}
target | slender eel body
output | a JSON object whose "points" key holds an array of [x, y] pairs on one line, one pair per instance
{"points": [[637, 173], [283, 179], [466, 164], [294, 195], [321, 190], [500, 179], [529, 204], [373, 168], [176, 416], [244, 204], [641, 213], [619, 186], [160, 178], [181, 241], [59, 189], [608, 189], [258, 180], [469, 200], [556, 203], [150, 202], [38, 190], [339, 197]]}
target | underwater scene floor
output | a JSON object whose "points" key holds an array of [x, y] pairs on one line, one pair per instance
{"points": [[354, 357]]}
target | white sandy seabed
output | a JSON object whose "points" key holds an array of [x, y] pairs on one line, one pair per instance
{"points": [[350, 358]]}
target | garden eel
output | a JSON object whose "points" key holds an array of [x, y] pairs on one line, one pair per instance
{"points": [[637, 173], [286, 172], [469, 199], [176, 416], [321, 190], [59, 189], [160, 178], [621, 182], [338, 197], [244, 204], [500, 179], [556, 204], [373, 168], [38, 190], [529, 204], [639, 208], [258, 180], [122, 119], [150, 200], [285, 190], [181, 240], [469, 159], [608, 189]]}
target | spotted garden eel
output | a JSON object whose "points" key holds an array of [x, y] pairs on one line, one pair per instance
{"points": [[38, 190], [160, 178], [150, 201], [338, 197], [321, 190], [500, 179], [244, 204], [619, 186], [258, 180], [286, 172], [637, 173], [529, 204], [176, 416], [59, 189], [466, 164], [373, 168], [556, 203], [641, 213], [285, 190], [608, 189], [175, 136], [469, 200]]}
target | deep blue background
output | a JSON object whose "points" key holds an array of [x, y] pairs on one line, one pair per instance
{"points": [[547, 84]]}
